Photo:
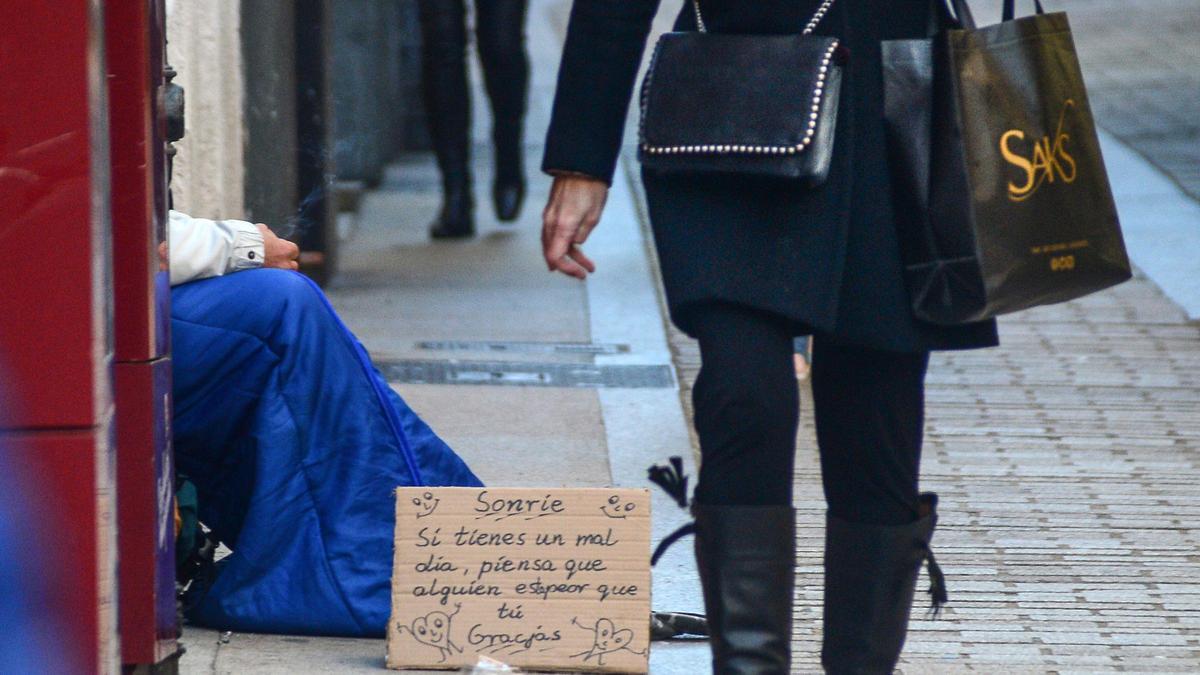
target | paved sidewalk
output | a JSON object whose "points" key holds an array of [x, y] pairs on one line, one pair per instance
{"points": [[1068, 465], [1141, 59]]}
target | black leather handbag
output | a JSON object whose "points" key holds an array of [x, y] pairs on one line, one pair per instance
{"points": [[744, 104]]}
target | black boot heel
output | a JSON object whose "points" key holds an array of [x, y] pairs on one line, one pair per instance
{"points": [[508, 188], [456, 219], [508, 195]]}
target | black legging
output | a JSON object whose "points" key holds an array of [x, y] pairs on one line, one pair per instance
{"points": [[500, 37], [869, 417]]}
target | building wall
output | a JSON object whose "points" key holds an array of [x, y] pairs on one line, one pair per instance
{"points": [[268, 43], [376, 82], [204, 46]]}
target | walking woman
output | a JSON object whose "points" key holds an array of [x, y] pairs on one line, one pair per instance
{"points": [[749, 263], [500, 37]]}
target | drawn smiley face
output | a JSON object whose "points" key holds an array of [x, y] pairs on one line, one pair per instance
{"points": [[426, 504], [609, 639], [615, 508], [432, 629], [606, 639]]}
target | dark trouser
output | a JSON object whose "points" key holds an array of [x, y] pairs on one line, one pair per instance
{"points": [[869, 415], [500, 37]]}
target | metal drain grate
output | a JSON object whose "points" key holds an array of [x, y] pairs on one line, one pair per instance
{"points": [[523, 347], [506, 373]]}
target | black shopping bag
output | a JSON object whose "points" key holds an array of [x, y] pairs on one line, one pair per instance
{"points": [[1001, 194]]}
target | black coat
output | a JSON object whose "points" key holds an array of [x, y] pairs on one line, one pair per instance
{"points": [[825, 258]]}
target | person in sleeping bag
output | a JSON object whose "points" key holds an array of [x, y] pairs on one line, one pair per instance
{"points": [[294, 442]]}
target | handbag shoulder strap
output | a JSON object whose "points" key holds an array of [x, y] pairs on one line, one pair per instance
{"points": [[808, 29]]}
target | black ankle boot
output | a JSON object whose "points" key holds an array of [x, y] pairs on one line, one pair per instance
{"points": [[457, 219], [870, 579], [746, 556], [508, 189], [508, 195]]}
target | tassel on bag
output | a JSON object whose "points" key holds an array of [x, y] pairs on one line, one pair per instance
{"points": [[672, 479], [937, 584]]}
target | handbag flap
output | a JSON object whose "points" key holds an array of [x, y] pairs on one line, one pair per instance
{"points": [[735, 93]]}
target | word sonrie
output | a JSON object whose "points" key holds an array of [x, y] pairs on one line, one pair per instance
{"points": [[500, 508]]}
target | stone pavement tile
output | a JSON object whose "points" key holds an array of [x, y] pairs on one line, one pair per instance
{"points": [[401, 289], [239, 653], [952, 666], [508, 440]]}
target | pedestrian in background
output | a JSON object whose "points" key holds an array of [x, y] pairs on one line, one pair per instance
{"points": [[500, 38], [749, 263]]}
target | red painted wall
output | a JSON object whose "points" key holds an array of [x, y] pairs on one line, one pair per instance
{"points": [[69, 474], [135, 70], [55, 318], [146, 527], [146, 536], [54, 311]]}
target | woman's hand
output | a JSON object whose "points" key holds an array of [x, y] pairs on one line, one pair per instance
{"points": [[571, 213]]}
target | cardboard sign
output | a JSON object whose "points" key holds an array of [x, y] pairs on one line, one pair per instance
{"points": [[543, 579]]}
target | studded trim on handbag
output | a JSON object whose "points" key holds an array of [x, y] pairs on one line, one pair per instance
{"points": [[817, 102]]}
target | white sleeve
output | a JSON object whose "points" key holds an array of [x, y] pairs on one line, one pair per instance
{"points": [[201, 248]]}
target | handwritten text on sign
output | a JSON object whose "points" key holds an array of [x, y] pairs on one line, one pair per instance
{"points": [[551, 579]]}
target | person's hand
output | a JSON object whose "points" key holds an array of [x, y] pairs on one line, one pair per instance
{"points": [[571, 213], [279, 253]]}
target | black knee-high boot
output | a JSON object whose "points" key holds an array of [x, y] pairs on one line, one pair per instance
{"points": [[746, 556], [870, 579]]}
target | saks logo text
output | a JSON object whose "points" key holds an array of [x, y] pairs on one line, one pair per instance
{"points": [[1047, 158]]}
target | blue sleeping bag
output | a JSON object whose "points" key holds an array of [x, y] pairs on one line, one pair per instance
{"points": [[295, 444]]}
